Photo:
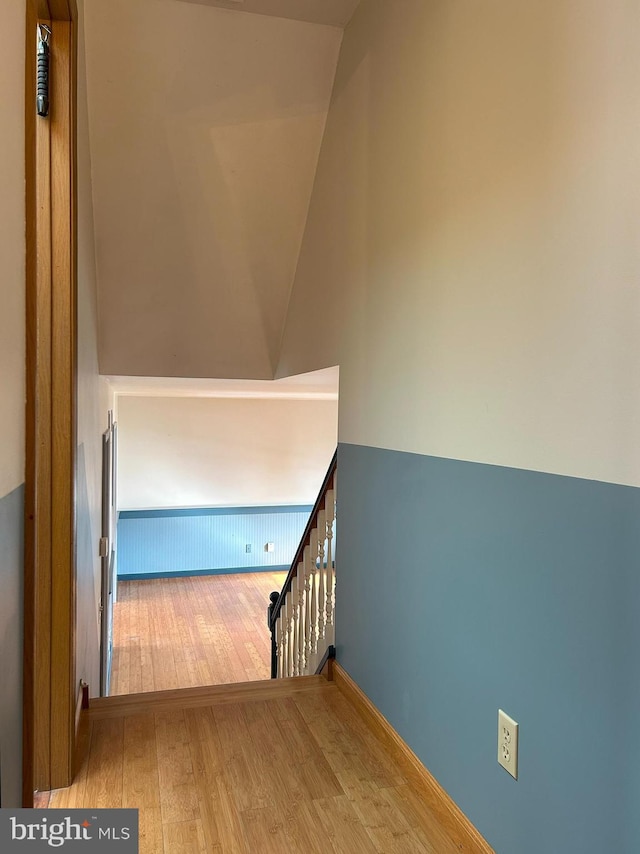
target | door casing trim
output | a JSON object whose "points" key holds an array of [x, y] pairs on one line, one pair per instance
{"points": [[49, 684]]}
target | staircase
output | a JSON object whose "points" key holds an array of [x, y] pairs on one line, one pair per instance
{"points": [[301, 615]]}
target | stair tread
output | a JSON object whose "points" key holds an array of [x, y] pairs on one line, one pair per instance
{"points": [[130, 704]]}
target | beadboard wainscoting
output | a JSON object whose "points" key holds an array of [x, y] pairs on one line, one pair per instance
{"points": [[208, 540]]}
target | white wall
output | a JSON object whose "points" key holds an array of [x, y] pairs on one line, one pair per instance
{"points": [[473, 228], [202, 452], [206, 125], [12, 245], [12, 384], [91, 416]]}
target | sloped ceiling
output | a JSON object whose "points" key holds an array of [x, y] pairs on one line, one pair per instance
{"points": [[317, 385], [336, 13], [205, 128]]}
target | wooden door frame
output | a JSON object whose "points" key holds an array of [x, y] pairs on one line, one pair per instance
{"points": [[49, 689]]}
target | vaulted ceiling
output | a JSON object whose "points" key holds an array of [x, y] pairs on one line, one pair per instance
{"points": [[205, 127], [336, 13]]}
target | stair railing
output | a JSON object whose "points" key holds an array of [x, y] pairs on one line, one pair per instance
{"points": [[301, 616]]}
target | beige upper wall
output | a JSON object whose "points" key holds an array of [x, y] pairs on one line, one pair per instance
{"points": [[473, 229], [12, 245], [205, 130], [208, 452]]}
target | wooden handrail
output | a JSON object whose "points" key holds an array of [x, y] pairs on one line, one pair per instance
{"points": [[327, 484]]}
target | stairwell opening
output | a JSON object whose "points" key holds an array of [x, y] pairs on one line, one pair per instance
{"points": [[216, 480]]}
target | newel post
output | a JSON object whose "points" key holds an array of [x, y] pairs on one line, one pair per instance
{"points": [[273, 598]]}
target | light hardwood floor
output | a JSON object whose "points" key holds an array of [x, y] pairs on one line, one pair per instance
{"points": [[183, 632], [275, 772]]}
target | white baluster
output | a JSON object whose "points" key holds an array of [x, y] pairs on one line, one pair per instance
{"points": [[307, 615], [301, 620], [287, 636], [306, 563], [293, 596], [283, 620], [331, 629], [322, 574], [313, 551], [330, 511], [278, 632], [290, 647], [282, 634]]}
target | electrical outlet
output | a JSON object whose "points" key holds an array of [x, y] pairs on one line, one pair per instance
{"points": [[247, 548], [508, 743]]}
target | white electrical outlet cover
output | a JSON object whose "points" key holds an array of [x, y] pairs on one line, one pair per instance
{"points": [[508, 743]]}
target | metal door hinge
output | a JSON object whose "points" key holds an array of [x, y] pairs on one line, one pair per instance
{"points": [[42, 86]]}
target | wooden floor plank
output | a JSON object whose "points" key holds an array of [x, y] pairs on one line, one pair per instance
{"points": [[104, 779], [186, 837], [374, 755], [184, 632], [141, 780], [268, 773], [274, 831], [387, 826], [245, 767], [434, 826], [178, 794], [218, 812], [300, 752], [342, 830], [271, 756], [346, 742]]}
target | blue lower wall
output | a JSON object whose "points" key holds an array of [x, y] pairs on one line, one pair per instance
{"points": [[463, 588], [154, 543], [11, 633]]}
